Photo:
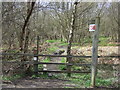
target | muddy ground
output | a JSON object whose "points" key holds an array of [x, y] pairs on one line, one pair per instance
{"points": [[29, 82]]}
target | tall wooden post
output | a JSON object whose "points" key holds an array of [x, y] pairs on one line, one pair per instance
{"points": [[36, 52], [95, 52]]}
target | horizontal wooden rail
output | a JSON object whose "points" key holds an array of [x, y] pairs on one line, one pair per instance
{"points": [[77, 64], [56, 71], [32, 62], [25, 54]]}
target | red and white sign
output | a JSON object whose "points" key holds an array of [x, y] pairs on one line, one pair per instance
{"points": [[92, 27]]}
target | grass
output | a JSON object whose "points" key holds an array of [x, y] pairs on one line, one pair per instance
{"points": [[111, 44], [44, 76], [63, 44], [74, 67], [78, 68], [87, 40], [40, 66], [13, 77], [62, 67], [84, 80], [103, 82], [52, 49], [52, 41], [80, 80], [104, 41], [46, 60]]}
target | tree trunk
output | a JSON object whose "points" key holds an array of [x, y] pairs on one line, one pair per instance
{"points": [[25, 37], [24, 27], [70, 39], [27, 31]]}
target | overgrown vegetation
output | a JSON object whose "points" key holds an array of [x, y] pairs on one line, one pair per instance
{"points": [[84, 80], [52, 49], [46, 60], [57, 26], [103, 41], [13, 77], [63, 67], [52, 41]]}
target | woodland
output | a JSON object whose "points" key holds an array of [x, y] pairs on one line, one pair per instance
{"points": [[59, 28]]}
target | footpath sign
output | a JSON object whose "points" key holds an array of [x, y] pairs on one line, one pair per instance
{"points": [[92, 27]]}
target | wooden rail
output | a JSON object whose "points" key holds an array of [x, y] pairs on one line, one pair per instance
{"points": [[26, 54], [65, 71], [32, 62]]}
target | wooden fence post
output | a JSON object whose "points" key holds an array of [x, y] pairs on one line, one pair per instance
{"points": [[36, 51], [95, 52]]}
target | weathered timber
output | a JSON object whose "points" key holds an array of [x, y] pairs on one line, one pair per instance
{"points": [[95, 53], [64, 71], [27, 54], [36, 61], [32, 62]]}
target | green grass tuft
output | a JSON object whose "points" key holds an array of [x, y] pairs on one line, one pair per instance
{"points": [[46, 60], [62, 67], [52, 41], [13, 77], [52, 49]]}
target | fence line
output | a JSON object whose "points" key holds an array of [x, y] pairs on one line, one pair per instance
{"points": [[26, 54], [32, 62], [56, 71]]}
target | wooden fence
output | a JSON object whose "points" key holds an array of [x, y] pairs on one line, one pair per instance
{"points": [[35, 62], [68, 71]]}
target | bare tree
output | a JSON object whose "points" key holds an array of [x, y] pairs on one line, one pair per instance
{"points": [[25, 25], [73, 27]]}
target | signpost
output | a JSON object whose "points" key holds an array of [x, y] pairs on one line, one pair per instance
{"points": [[94, 27]]}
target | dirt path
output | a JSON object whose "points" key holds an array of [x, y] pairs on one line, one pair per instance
{"points": [[87, 51], [56, 60], [37, 83]]}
